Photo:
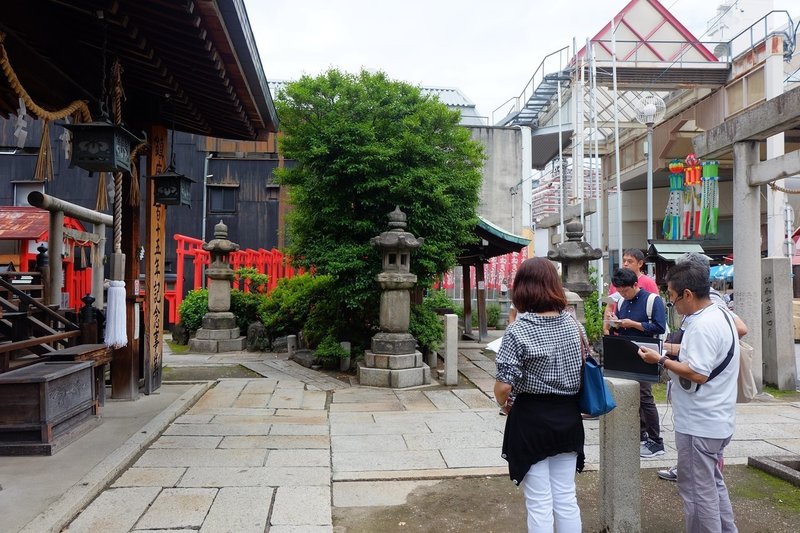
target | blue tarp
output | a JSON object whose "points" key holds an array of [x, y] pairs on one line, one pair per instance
{"points": [[721, 273]]}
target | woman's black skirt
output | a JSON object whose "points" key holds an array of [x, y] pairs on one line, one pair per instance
{"points": [[541, 426]]}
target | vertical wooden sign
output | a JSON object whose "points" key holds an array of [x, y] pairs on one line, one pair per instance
{"points": [[155, 251]]}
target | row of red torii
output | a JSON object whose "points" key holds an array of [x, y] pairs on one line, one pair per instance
{"points": [[276, 266]]}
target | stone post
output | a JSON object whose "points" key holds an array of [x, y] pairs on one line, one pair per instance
{"points": [[747, 251], [451, 349], [780, 368], [620, 482]]}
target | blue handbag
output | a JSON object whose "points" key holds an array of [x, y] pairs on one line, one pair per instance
{"points": [[595, 398]]}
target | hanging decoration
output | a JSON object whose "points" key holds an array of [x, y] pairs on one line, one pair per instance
{"points": [[66, 139], [116, 325], [709, 211], [672, 216], [44, 163], [691, 197], [20, 124]]}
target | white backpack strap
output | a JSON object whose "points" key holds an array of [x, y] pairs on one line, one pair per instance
{"points": [[649, 308]]}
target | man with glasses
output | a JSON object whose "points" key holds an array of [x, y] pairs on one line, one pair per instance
{"points": [[640, 318], [672, 345], [632, 259], [705, 399]]}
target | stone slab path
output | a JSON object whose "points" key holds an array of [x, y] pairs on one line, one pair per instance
{"points": [[276, 454]]}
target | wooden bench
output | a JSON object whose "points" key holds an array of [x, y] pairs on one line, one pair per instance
{"points": [[98, 354]]}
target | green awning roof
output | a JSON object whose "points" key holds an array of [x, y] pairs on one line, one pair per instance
{"points": [[670, 251], [494, 241]]}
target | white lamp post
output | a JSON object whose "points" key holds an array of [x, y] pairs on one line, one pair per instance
{"points": [[649, 111]]}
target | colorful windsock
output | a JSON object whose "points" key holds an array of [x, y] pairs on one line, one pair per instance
{"points": [[672, 216]]}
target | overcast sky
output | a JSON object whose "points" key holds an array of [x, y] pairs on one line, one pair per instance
{"points": [[487, 49]]}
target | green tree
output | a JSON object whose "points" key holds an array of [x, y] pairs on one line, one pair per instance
{"points": [[363, 145]]}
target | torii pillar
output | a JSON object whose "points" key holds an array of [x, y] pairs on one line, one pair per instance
{"points": [[763, 300]]}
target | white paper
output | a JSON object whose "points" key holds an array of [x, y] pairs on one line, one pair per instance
{"points": [[495, 345]]}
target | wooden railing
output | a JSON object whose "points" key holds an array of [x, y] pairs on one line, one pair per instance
{"points": [[29, 329]]}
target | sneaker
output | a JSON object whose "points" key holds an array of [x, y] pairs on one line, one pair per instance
{"points": [[650, 449], [670, 474]]}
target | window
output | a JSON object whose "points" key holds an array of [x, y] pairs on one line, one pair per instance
{"points": [[222, 199], [23, 188], [273, 192]]}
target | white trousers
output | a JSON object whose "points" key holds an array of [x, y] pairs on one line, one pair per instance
{"points": [[549, 489]]}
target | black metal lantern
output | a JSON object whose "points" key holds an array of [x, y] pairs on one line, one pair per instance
{"points": [[101, 146], [172, 188]]}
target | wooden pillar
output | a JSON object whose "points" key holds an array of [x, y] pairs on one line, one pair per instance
{"points": [[467, 300], [480, 279], [155, 252]]}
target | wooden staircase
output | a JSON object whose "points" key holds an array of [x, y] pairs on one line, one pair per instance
{"points": [[30, 330]]}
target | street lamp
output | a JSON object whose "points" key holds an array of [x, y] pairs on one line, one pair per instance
{"points": [[650, 110]]}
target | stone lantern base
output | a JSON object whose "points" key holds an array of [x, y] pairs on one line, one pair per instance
{"points": [[393, 362], [218, 334]]}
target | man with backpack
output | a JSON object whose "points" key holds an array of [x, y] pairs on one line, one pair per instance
{"points": [[641, 314]]}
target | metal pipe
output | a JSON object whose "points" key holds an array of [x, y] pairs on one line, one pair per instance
{"points": [[205, 197], [649, 192], [616, 138]]}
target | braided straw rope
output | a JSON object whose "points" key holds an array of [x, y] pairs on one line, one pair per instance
{"points": [[783, 189], [78, 106]]}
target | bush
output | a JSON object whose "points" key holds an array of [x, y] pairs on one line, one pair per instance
{"points": [[594, 317], [255, 280], [329, 348], [246, 305], [193, 308], [459, 310], [437, 299], [286, 310], [492, 315], [426, 327]]}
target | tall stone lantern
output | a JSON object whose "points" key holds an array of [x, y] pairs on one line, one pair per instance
{"points": [[394, 360], [219, 332]]}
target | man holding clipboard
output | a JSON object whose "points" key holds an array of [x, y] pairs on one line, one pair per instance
{"points": [[641, 317]]}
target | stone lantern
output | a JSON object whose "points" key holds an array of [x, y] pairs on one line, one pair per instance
{"points": [[219, 332], [394, 360], [574, 255]]}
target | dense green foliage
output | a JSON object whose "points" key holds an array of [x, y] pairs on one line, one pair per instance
{"points": [[255, 280], [363, 145], [492, 315], [593, 311], [329, 348], [246, 305], [193, 308], [286, 310], [426, 327]]}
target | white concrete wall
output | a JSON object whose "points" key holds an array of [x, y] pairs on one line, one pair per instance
{"points": [[502, 171]]}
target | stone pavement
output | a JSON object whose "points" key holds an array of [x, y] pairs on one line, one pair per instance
{"points": [[279, 453]]}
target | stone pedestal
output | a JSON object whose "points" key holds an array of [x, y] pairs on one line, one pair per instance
{"points": [[218, 334]]}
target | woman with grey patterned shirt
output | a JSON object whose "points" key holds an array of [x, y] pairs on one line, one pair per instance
{"points": [[539, 363]]}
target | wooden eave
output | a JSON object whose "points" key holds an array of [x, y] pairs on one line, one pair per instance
{"points": [[200, 52]]}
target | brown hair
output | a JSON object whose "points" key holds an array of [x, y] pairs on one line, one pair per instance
{"points": [[537, 287]]}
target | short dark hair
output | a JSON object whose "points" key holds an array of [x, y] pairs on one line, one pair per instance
{"points": [[537, 287], [624, 277], [688, 275], [635, 253]]}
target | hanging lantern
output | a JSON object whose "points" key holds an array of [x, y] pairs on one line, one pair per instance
{"points": [[172, 188], [101, 146]]}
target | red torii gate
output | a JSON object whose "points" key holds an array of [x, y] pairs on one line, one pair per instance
{"points": [[273, 263]]}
